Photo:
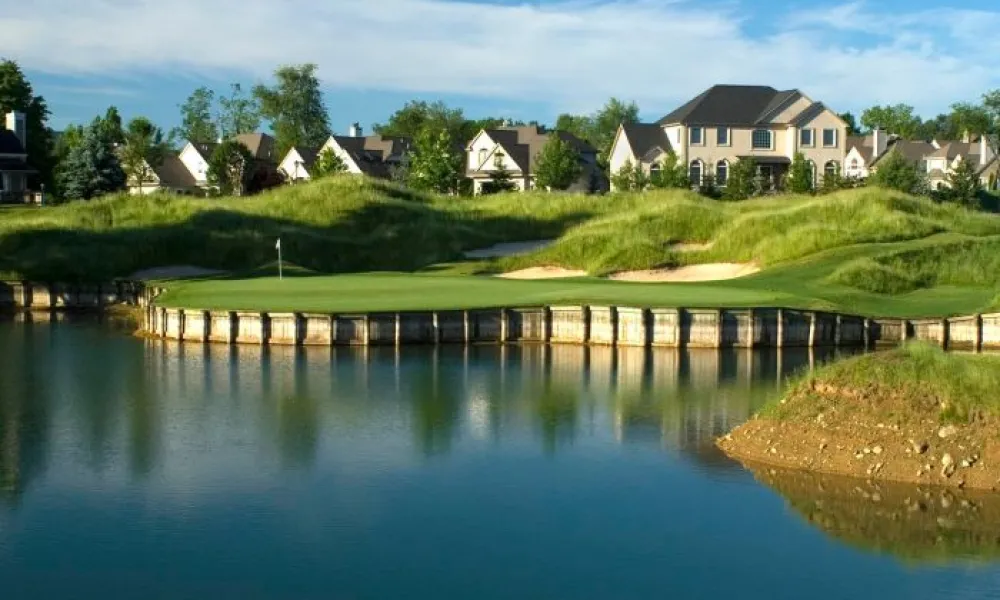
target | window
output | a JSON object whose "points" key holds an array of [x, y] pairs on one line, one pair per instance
{"points": [[829, 138], [721, 173], [722, 136], [697, 136], [832, 169], [482, 156], [855, 165], [807, 138], [695, 172], [761, 139]]}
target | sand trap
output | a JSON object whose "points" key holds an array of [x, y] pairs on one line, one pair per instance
{"points": [[543, 273], [709, 272], [690, 246], [508, 249], [173, 272]]}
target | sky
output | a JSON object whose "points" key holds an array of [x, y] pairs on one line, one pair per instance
{"points": [[519, 59]]}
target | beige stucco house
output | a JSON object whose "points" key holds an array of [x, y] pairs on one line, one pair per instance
{"points": [[515, 150], [727, 123], [942, 162]]}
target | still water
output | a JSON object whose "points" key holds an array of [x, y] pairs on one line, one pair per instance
{"points": [[148, 469]]}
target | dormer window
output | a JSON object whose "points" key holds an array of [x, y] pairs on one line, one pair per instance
{"points": [[762, 139]]}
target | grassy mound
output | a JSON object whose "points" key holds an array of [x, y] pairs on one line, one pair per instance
{"points": [[916, 415]]}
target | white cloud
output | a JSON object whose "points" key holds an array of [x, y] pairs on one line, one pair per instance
{"points": [[571, 54]]}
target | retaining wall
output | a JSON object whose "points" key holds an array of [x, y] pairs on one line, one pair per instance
{"points": [[590, 325], [27, 295]]}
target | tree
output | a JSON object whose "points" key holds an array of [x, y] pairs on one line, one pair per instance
{"points": [[581, 126], [898, 119], [238, 113], [671, 174], [606, 122], [852, 123], [434, 164], [417, 116], [800, 176], [970, 119], [500, 180], [17, 94], [631, 178], [91, 167], [328, 163], [964, 184], [558, 164], [197, 125], [295, 108], [110, 127], [230, 168], [896, 172], [143, 150], [742, 180]]}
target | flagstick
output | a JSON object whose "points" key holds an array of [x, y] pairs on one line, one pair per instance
{"points": [[280, 274]]}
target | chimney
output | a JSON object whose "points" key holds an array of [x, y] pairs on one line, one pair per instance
{"points": [[880, 141], [17, 122], [355, 130]]}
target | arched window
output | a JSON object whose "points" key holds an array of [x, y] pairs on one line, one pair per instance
{"points": [[482, 156], [855, 165], [832, 169], [695, 172], [721, 172]]}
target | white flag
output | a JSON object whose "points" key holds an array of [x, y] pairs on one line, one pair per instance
{"points": [[278, 245]]}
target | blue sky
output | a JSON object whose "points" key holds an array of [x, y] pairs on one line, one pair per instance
{"points": [[514, 58]]}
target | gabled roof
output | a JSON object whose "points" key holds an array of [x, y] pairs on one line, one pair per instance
{"points": [[912, 150], [863, 144], [10, 143], [261, 145], [172, 173], [745, 105], [374, 154], [205, 149], [644, 138], [522, 144], [952, 150]]}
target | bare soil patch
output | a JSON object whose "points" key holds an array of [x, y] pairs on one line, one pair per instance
{"points": [[691, 273]]}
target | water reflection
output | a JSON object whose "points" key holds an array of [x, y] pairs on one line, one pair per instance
{"points": [[119, 402], [918, 524]]}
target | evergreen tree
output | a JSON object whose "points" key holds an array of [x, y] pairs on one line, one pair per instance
{"points": [[742, 182], [558, 164], [800, 176], [91, 167], [295, 108], [671, 174], [435, 163], [230, 168], [500, 180], [897, 173], [328, 163], [964, 184]]}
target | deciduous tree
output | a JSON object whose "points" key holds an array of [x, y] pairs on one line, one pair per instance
{"points": [[896, 172], [671, 174], [800, 176], [898, 119], [238, 113], [558, 164], [435, 165], [17, 94], [197, 125], [964, 185], [328, 163], [500, 180], [143, 151], [295, 108], [230, 168], [741, 182], [630, 178]]}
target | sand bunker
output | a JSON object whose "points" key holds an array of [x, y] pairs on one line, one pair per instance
{"points": [[508, 249], [543, 273], [173, 272], [708, 272]]}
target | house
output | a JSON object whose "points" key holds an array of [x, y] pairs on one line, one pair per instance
{"points": [[171, 175], [941, 163], [727, 123], [866, 151], [644, 144], [14, 167], [373, 155], [515, 150], [195, 158]]}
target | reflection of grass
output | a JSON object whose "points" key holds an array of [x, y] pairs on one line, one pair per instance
{"points": [[919, 525]]}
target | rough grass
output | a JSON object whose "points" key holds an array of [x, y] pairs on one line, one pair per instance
{"points": [[925, 380]]}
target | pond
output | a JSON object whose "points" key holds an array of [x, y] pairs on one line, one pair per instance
{"points": [[136, 468]]}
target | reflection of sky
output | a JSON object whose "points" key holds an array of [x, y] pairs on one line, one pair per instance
{"points": [[451, 472]]}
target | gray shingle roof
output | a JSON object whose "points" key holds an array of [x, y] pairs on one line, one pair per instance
{"points": [[732, 105], [261, 145], [522, 144], [375, 155], [645, 138], [9, 143], [913, 150], [172, 173]]}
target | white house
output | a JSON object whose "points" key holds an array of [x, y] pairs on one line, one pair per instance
{"points": [[171, 175], [373, 155]]}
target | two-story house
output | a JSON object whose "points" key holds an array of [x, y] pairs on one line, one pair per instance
{"points": [[727, 123], [515, 150], [14, 167], [943, 161]]}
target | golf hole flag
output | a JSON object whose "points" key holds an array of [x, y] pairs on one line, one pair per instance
{"points": [[278, 248]]}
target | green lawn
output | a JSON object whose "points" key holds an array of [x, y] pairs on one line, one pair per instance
{"points": [[802, 284]]}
